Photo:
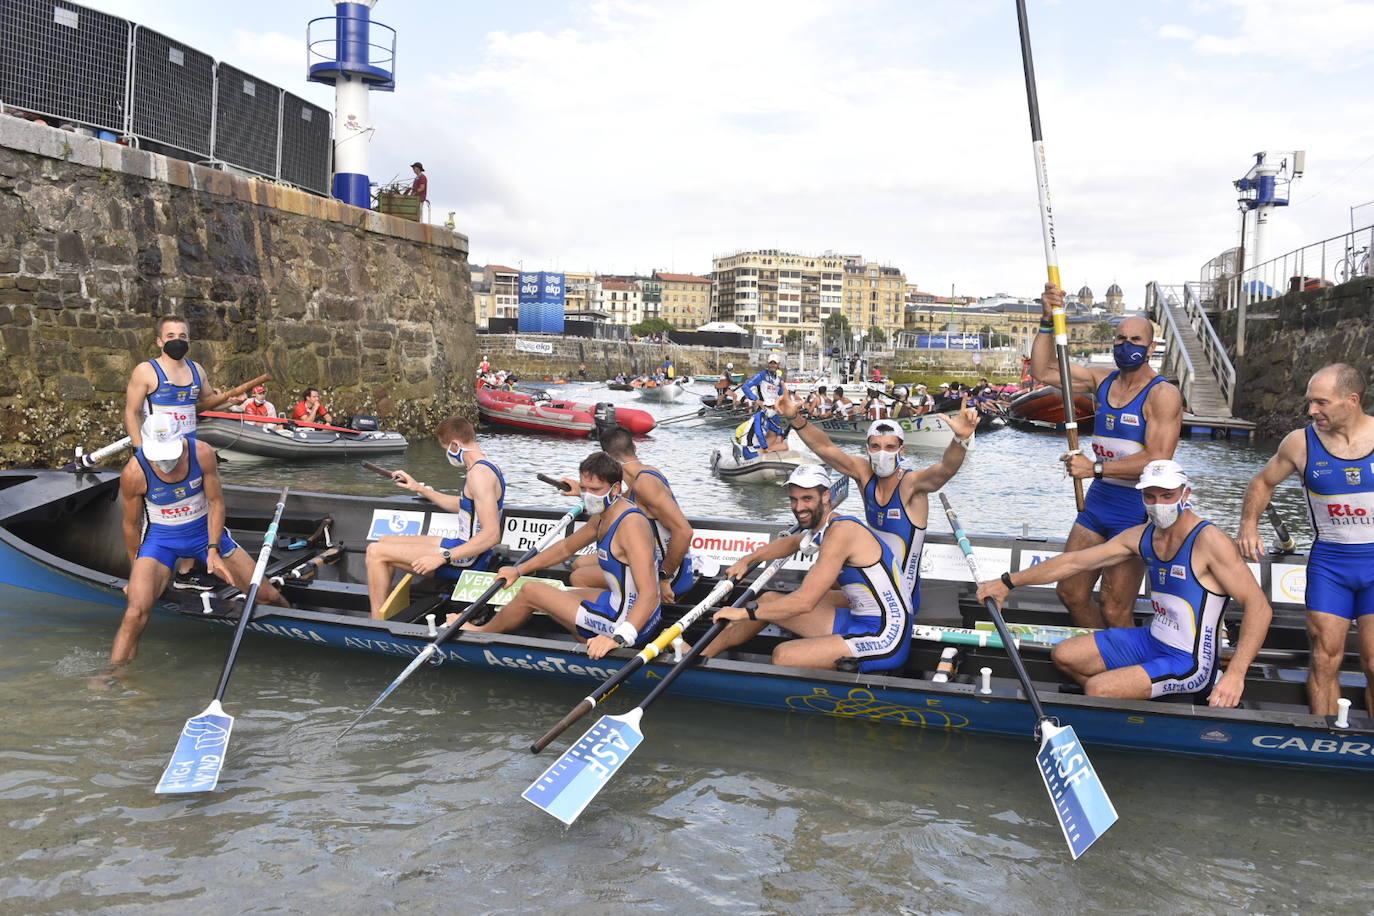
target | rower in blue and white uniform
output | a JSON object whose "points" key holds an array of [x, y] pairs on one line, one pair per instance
{"points": [[765, 431], [1335, 458], [866, 623], [173, 508], [1138, 420], [896, 500], [763, 387], [1193, 568], [171, 384], [627, 611]]}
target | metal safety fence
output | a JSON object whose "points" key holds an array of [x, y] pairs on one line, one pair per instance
{"points": [[123, 81]]}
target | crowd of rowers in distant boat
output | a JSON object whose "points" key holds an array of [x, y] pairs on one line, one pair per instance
{"points": [[854, 608]]}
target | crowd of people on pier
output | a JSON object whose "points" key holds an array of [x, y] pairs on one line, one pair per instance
{"points": [[855, 605]]}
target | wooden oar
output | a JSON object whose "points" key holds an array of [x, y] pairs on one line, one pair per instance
{"points": [[199, 755], [566, 788], [91, 459], [1286, 544], [1042, 184], [449, 630], [1080, 802]]}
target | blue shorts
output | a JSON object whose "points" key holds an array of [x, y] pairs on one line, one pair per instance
{"points": [[166, 544], [598, 618], [1340, 579], [1109, 509], [479, 562], [1170, 670], [876, 650]]}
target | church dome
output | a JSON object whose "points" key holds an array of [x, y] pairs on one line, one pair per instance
{"points": [[1085, 293], [1114, 290]]}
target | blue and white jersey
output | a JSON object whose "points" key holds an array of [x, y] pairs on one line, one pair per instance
{"points": [[762, 386], [1340, 494], [178, 401], [1186, 614], [179, 504], [662, 536], [874, 591], [1119, 432], [469, 525], [890, 522], [620, 580]]}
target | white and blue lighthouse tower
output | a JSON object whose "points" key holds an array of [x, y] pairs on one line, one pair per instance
{"points": [[358, 58]]}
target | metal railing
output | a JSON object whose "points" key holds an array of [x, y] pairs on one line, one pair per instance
{"points": [[117, 79], [1218, 362], [1329, 262], [1177, 363]]}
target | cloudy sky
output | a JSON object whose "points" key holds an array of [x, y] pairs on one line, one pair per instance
{"points": [[623, 136]]}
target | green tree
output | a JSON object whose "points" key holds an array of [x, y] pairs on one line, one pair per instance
{"points": [[794, 338], [995, 339], [875, 335], [837, 329], [1103, 332], [652, 326]]}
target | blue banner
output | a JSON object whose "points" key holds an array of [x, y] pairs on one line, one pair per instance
{"points": [[541, 303], [949, 341]]}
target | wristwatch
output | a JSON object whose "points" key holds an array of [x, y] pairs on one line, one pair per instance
{"points": [[1098, 469], [447, 555], [664, 575], [620, 641]]}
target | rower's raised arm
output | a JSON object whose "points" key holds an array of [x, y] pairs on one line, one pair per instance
{"points": [[1044, 358]]}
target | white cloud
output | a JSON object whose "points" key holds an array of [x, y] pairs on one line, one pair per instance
{"points": [[1327, 35]]}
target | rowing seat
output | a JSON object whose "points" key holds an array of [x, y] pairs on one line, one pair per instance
{"points": [[308, 526]]}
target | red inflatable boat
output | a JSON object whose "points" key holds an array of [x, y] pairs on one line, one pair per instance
{"points": [[1043, 408], [552, 415]]}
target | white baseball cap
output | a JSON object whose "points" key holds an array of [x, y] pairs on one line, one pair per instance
{"points": [[809, 475], [161, 437], [1164, 473], [884, 428]]}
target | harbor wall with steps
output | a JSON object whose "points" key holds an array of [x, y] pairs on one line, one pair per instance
{"points": [[1289, 338], [97, 240], [606, 358]]}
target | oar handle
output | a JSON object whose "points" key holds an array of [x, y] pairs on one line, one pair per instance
{"points": [[1008, 641], [259, 569], [379, 470], [234, 392], [1286, 542], [554, 482]]}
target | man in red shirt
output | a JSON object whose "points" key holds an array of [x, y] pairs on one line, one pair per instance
{"points": [[256, 406], [311, 409], [420, 186]]}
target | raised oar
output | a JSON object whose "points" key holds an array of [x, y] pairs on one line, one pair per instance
{"points": [[451, 629], [1042, 184], [569, 785], [1286, 544], [204, 741], [93, 458], [1080, 802]]}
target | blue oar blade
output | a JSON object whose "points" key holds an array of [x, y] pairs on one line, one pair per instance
{"points": [[199, 754], [569, 785], [1080, 802]]}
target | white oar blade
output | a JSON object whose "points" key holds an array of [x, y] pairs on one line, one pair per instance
{"points": [[1081, 804], [196, 762], [569, 785]]}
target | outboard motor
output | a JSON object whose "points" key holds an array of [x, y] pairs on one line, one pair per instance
{"points": [[603, 415], [364, 422]]}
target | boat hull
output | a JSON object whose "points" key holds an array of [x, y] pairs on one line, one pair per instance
{"points": [[1043, 408], [659, 394], [556, 416], [246, 439], [768, 467], [928, 431]]}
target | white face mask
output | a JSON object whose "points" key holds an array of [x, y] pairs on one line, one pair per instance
{"points": [[884, 463], [455, 458], [259, 399], [1163, 515], [167, 466], [596, 503]]}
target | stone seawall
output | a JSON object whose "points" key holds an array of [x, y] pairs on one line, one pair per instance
{"points": [[606, 358], [1289, 338], [97, 240]]}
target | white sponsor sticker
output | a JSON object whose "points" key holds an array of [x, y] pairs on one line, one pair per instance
{"points": [[443, 525], [385, 521], [1289, 583]]}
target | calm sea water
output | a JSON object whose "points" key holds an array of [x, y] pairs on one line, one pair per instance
{"points": [[721, 809]]}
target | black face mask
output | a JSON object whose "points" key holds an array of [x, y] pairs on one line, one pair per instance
{"points": [[176, 348]]}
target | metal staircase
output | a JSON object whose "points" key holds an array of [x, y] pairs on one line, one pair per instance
{"points": [[1193, 354]]}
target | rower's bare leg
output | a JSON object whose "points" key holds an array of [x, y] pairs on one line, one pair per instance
{"points": [[819, 646], [1120, 587], [147, 581], [1365, 625], [388, 553], [586, 573], [560, 604], [241, 568], [1327, 633], [1079, 658], [1129, 683], [1076, 592]]}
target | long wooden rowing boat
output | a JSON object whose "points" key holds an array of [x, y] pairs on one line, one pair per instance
{"points": [[59, 533]]}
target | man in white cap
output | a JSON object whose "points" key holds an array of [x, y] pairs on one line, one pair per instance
{"points": [[1193, 567], [867, 619], [173, 507], [896, 500], [762, 388], [921, 401]]}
